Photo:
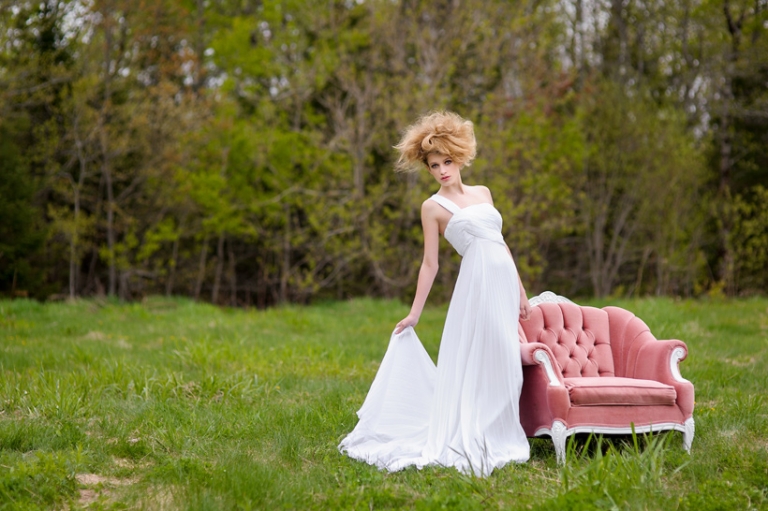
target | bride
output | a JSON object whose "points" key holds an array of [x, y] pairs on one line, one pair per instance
{"points": [[464, 412]]}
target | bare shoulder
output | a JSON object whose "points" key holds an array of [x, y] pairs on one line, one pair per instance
{"points": [[429, 206], [431, 209], [484, 192]]}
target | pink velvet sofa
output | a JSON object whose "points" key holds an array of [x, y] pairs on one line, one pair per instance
{"points": [[601, 371]]}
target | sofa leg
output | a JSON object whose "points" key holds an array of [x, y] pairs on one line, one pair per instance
{"points": [[558, 438], [690, 430]]}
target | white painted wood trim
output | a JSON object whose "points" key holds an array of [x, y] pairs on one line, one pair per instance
{"points": [[559, 433], [548, 297], [674, 364], [688, 433], [542, 358]]}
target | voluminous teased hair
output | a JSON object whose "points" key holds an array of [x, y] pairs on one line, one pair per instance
{"points": [[439, 132]]}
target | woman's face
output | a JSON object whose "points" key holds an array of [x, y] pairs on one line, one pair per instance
{"points": [[443, 168]]}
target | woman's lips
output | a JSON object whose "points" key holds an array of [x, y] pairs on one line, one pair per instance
{"points": [[445, 178]]}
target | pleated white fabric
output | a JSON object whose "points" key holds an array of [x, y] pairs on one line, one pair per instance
{"points": [[464, 413]]}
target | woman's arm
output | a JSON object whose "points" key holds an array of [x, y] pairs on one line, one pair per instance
{"points": [[525, 306], [429, 264]]}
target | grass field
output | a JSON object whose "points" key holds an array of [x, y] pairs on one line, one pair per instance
{"points": [[169, 404]]}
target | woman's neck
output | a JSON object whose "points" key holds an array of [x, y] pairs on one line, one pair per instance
{"points": [[453, 188]]}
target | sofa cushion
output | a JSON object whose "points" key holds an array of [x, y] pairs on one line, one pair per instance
{"points": [[608, 390]]}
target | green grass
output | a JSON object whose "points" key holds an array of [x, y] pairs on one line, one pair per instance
{"points": [[169, 404]]}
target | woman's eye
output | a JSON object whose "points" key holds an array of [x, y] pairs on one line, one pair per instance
{"points": [[448, 162]]}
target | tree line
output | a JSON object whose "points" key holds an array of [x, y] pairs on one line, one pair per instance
{"points": [[240, 151]]}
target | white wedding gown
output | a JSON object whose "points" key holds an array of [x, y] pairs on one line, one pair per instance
{"points": [[464, 413]]}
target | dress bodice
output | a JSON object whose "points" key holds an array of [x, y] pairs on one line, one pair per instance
{"points": [[472, 223]]}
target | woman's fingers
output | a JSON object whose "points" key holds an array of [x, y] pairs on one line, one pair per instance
{"points": [[405, 323]]}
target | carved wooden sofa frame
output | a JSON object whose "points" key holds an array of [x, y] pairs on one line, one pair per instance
{"points": [[590, 370]]}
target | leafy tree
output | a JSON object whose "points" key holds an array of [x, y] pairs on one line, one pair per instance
{"points": [[638, 175], [241, 151], [20, 237], [749, 239]]}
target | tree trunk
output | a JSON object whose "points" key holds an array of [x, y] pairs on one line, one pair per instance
{"points": [[105, 168], [621, 39], [201, 268], [92, 281], [637, 290], [727, 264], [110, 223], [200, 45], [724, 191], [578, 44], [595, 246], [232, 276], [219, 270], [261, 288], [76, 187], [172, 271], [286, 262], [123, 293], [73, 247]]}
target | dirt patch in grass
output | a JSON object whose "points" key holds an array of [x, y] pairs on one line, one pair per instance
{"points": [[740, 361], [97, 486], [95, 479], [131, 464], [729, 433], [693, 328]]}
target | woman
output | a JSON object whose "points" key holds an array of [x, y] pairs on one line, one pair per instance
{"points": [[464, 412]]}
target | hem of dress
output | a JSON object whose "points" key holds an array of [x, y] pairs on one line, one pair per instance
{"points": [[420, 463]]}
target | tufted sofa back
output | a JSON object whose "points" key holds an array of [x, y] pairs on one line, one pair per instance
{"points": [[579, 337]]}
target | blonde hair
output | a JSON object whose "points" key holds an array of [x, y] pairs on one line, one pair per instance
{"points": [[438, 132]]}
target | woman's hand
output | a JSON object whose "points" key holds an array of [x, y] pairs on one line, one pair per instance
{"points": [[525, 308], [409, 320]]}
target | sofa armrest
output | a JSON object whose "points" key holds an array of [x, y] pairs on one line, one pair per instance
{"points": [[544, 398], [659, 361], [536, 353]]}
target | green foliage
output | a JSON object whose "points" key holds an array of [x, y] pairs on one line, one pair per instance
{"points": [[531, 170], [749, 239], [636, 193], [40, 481], [245, 148], [20, 237]]}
